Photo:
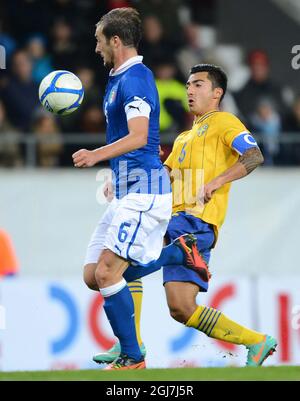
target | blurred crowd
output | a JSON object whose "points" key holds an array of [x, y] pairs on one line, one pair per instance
{"points": [[42, 36]]}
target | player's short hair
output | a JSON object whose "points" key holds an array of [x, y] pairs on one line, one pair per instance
{"points": [[123, 22], [216, 75]]}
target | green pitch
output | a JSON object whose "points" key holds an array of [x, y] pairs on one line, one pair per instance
{"points": [[262, 373]]}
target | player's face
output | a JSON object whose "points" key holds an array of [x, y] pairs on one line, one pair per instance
{"points": [[104, 49], [200, 93]]}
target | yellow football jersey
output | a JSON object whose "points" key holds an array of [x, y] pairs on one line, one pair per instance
{"points": [[200, 155]]}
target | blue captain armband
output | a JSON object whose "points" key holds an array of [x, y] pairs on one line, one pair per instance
{"points": [[243, 142]]}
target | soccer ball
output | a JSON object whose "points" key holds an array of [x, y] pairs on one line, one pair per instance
{"points": [[61, 92]]}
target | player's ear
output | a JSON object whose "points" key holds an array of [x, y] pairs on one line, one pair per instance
{"points": [[116, 41], [218, 92]]}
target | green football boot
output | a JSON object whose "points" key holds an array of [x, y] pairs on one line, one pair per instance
{"points": [[258, 353], [110, 355]]}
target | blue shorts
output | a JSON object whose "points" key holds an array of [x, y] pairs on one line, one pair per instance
{"points": [[182, 223]]}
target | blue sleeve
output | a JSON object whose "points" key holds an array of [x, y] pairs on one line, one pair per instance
{"points": [[134, 88], [243, 142]]}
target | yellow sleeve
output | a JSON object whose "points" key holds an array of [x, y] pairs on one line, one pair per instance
{"points": [[169, 161], [230, 128]]}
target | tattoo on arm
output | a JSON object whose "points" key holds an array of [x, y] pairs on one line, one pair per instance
{"points": [[251, 159]]}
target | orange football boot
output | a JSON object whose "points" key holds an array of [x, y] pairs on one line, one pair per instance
{"points": [[193, 259]]}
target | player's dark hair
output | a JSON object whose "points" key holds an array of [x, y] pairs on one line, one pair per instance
{"points": [[123, 22], [215, 74]]}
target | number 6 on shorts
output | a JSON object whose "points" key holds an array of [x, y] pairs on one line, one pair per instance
{"points": [[123, 234]]}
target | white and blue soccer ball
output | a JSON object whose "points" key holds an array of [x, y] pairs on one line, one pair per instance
{"points": [[61, 92]]}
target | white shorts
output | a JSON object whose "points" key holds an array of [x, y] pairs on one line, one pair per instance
{"points": [[132, 227]]}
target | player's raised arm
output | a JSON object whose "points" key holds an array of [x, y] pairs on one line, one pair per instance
{"points": [[250, 158]]}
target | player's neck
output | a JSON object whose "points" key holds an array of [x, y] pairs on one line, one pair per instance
{"points": [[212, 107], [123, 55], [202, 114]]}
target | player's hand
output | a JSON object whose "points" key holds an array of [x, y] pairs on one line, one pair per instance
{"points": [[161, 152], [208, 190], [108, 191], [84, 158]]}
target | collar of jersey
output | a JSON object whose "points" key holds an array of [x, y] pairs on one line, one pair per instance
{"points": [[202, 118], [129, 63]]}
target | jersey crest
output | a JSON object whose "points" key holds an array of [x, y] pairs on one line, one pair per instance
{"points": [[113, 94], [201, 131]]}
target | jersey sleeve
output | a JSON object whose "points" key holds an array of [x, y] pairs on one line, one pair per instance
{"points": [[137, 96], [235, 135], [243, 142], [169, 161]]}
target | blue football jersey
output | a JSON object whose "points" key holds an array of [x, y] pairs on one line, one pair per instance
{"points": [[141, 170]]}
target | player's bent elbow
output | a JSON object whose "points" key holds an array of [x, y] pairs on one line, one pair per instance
{"points": [[258, 159], [143, 140], [251, 159], [140, 138]]}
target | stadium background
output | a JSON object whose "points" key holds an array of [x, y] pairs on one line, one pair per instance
{"points": [[48, 210]]}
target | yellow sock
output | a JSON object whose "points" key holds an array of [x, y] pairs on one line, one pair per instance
{"points": [[216, 325], [136, 289]]}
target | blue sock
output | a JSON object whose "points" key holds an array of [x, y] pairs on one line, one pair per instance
{"points": [[119, 309], [170, 255], [133, 273]]}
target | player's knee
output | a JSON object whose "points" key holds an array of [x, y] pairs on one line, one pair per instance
{"points": [[181, 312], [109, 270], [178, 313], [105, 274], [89, 277], [102, 274]]}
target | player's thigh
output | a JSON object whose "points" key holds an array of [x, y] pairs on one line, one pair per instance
{"points": [[137, 230], [181, 297], [89, 278], [96, 243]]}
